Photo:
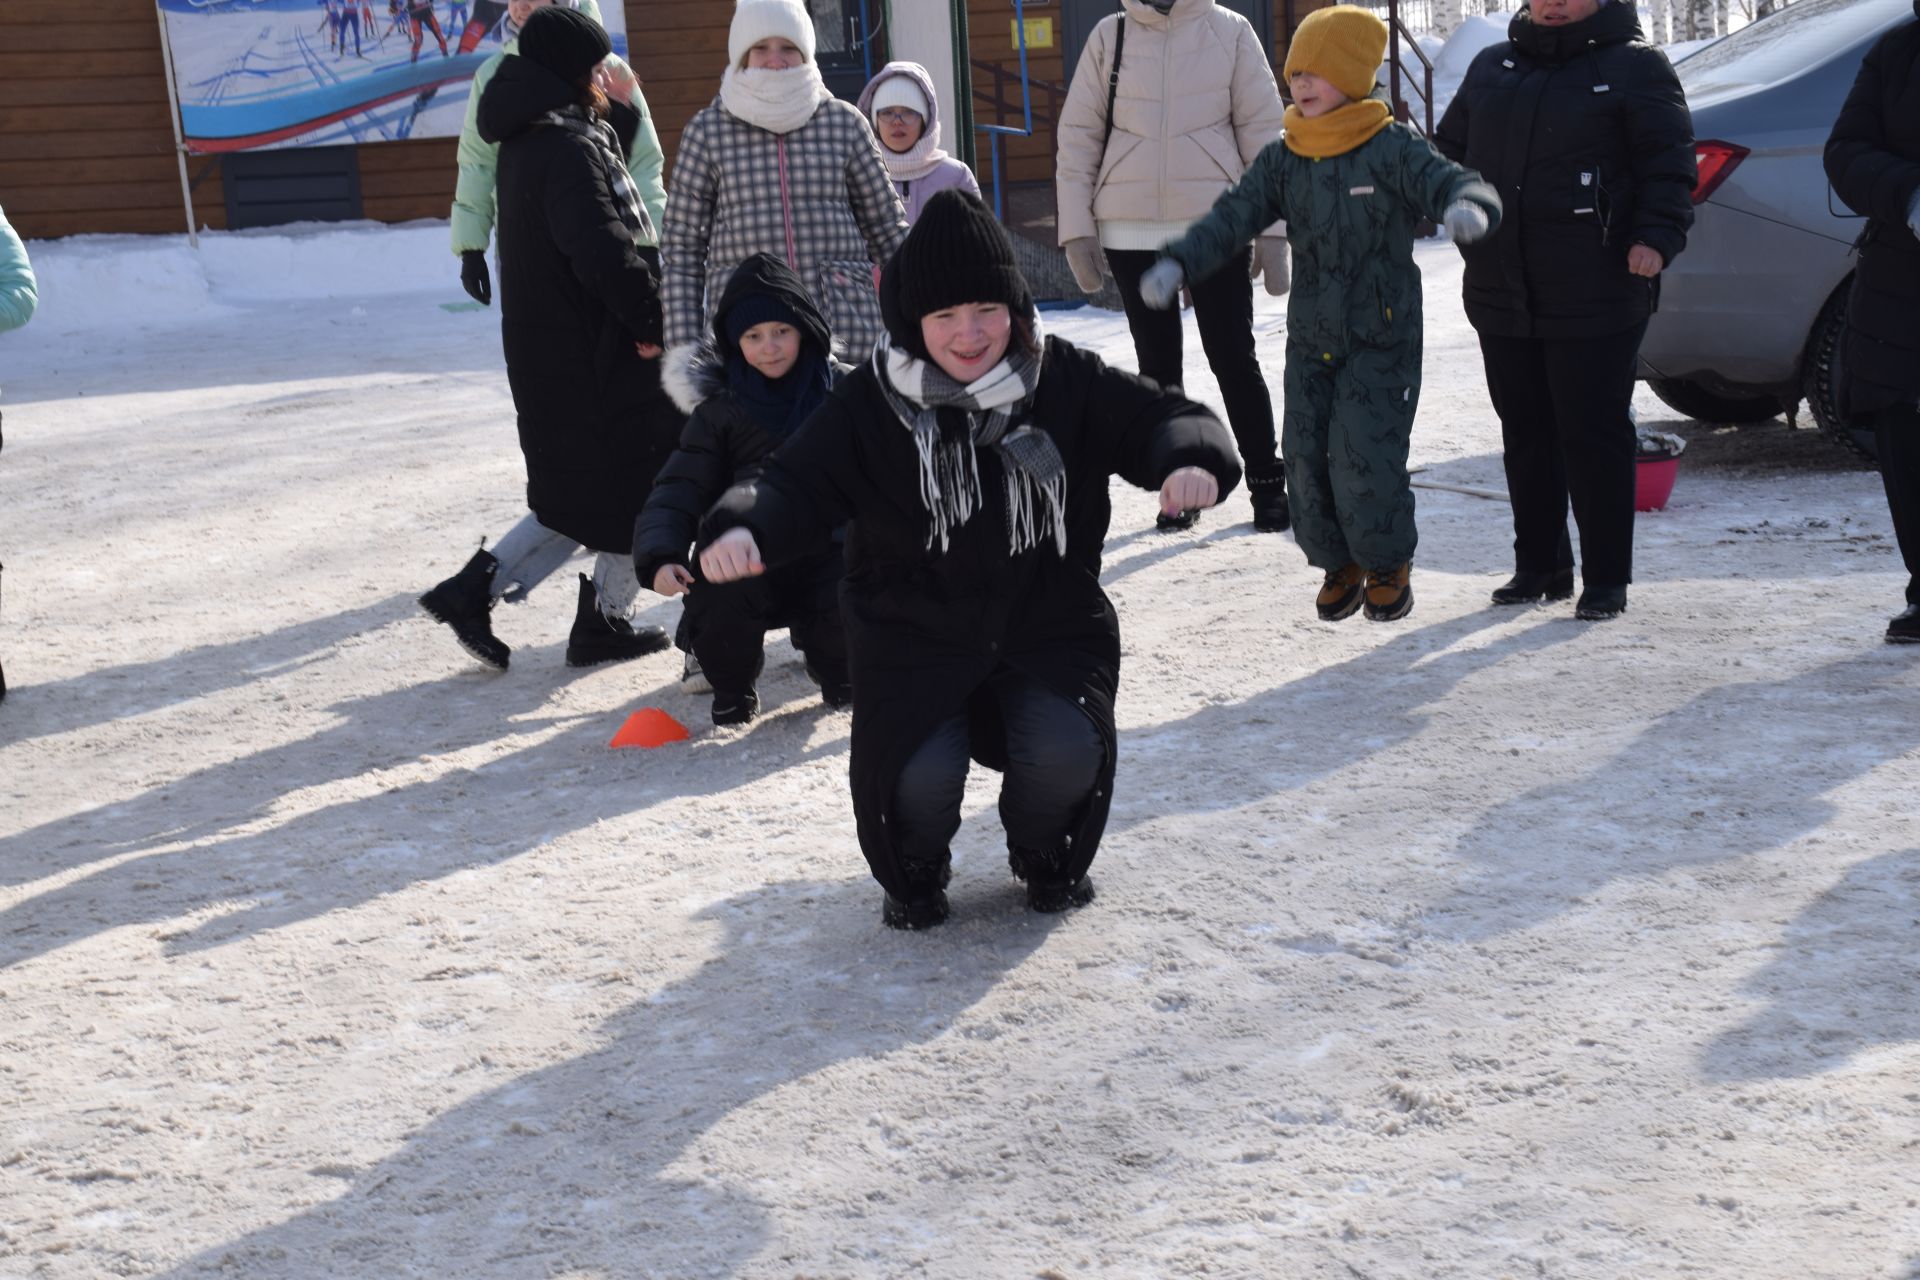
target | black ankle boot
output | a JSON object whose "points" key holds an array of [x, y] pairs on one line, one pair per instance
{"points": [[463, 602], [1048, 889], [922, 911], [1267, 487], [835, 689], [1903, 628], [1525, 586], [597, 638], [732, 707], [1597, 604]]}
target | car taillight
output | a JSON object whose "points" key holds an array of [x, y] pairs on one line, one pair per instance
{"points": [[1715, 161]]}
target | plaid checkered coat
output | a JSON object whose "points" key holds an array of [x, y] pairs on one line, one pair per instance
{"points": [[818, 197]]}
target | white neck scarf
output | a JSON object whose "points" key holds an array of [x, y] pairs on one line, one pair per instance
{"points": [[777, 101]]}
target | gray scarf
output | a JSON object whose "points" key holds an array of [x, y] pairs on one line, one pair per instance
{"points": [[576, 119], [1036, 476]]}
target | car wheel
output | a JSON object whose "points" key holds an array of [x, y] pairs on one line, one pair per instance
{"points": [[1703, 405], [1820, 386]]}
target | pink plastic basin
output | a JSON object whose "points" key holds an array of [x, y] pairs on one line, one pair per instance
{"points": [[1653, 483]]}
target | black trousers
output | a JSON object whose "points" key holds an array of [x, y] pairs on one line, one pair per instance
{"points": [[1223, 306], [727, 623], [1564, 423], [1054, 755], [1897, 440]]}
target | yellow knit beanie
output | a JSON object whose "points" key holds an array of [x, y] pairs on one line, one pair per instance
{"points": [[1343, 45]]}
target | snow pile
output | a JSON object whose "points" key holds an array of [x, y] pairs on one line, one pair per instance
{"points": [[111, 282]]}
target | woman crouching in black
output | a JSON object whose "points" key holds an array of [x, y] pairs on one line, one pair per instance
{"points": [[970, 459]]}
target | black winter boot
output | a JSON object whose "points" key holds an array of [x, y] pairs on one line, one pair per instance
{"points": [[596, 638], [923, 911], [835, 690], [1525, 586], [1173, 524], [1048, 889], [463, 603], [1597, 604], [731, 707], [1267, 487], [1903, 628]]}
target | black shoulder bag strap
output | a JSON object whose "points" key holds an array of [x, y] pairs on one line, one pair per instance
{"points": [[1113, 86]]}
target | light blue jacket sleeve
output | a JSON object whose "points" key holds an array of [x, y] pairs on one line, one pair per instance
{"points": [[19, 293]]}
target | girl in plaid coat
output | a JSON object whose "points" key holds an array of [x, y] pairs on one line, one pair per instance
{"points": [[776, 164]]}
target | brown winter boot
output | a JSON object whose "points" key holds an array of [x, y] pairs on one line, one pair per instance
{"points": [[1341, 594], [1389, 593]]}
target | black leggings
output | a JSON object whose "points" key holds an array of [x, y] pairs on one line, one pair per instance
{"points": [[1223, 306], [1054, 755]]}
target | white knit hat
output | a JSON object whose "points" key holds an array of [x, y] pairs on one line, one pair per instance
{"points": [[900, 91], [756, 20]]}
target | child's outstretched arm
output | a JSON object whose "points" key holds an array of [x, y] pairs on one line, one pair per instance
{"points": [[1438, 189], [1243, 211]]}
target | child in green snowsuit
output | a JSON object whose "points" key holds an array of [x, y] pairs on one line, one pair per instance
{"points": [[1349, 182]]}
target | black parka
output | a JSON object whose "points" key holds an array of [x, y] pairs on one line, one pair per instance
{"points": [[1873, 161], [723, 442], [1584, 132], [926, 628], [575, 295]]}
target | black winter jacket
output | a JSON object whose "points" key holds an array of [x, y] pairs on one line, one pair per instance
{"points": [[1584, 132], [723, 443], [1873, 161], [925, 629], [575, 295]]}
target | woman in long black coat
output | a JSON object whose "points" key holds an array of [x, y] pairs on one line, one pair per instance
{"points": [[581, 324], [971, 460], [1873, 160], [1582, 127]]}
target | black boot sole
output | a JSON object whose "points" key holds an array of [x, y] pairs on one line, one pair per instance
{"points": [[1394, 612], [1348, 606], [1176, 524], [1053, 897], [920, 913]]}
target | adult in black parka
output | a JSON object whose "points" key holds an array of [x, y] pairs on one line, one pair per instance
{"points": [[1873, 160], [577, 295], [581, 323], [1582, 127], [743, 415], [970, 458]]}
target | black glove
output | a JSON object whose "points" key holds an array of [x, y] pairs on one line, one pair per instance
{"points": [[474, 278]]}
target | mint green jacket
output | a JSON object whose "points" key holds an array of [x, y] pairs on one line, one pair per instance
{"points": [[19, 294], [473, 203]]}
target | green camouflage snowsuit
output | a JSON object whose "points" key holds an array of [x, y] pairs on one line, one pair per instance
{"points": [[1353, 326]]}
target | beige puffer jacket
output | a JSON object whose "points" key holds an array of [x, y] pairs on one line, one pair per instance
{"points": [[1197, 102]]}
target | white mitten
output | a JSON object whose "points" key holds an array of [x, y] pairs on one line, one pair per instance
{"points": [[1274, 264], [1083, 256], [1466, 222], [1160, 286]]}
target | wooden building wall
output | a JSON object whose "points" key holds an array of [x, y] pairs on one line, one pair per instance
{"points": [[86, 144]]}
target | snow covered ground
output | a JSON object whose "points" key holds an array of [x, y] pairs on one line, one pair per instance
{"points": [[1485, 944]]}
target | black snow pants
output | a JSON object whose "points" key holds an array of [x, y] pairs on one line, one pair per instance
{"points": [[1897, 440], [727, 623], [1054, 756], [1564, 422]]}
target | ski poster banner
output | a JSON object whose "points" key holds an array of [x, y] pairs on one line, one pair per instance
{"points": [[256, 74]]}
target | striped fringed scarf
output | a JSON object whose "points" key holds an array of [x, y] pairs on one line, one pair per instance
{"points": [[626, 197], [1036, 476]]}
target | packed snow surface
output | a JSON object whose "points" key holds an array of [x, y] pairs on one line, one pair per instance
{"points": [[1484, 944]]}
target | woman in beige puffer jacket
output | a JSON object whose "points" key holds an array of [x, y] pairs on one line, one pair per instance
{"points": [[1195, 103]]}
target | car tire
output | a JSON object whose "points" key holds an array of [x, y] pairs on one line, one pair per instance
{"points": [[1696, 402], [1818, 383]]}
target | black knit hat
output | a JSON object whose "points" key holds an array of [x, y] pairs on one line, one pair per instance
{"points": [[957, 252], [564, 41]]}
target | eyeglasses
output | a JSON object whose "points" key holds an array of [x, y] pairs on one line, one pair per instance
{"points": [[897, 115]]}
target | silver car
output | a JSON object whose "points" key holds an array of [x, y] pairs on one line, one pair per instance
{"points": [[1751, 312]]}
